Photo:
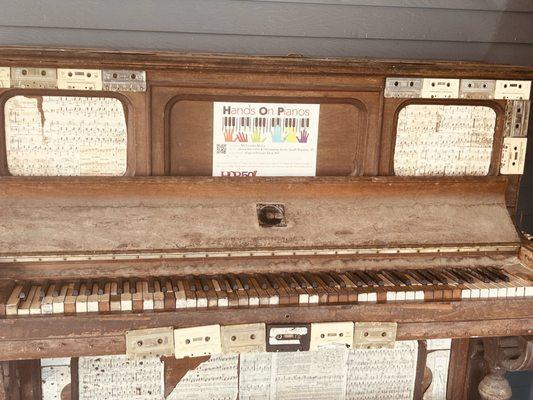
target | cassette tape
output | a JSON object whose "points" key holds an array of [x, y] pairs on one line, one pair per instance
{"points": [[295, 337], [331, 334], [144, 342], [435, 88], [513, 157], [512, 90], [34, 78], [197, 341], [477, 89], [516, 118], [403, 87], [374, 335], [5, 77], [124, 81], [246, 338], [79, 79]]}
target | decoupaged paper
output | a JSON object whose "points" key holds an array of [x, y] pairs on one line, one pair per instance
{"points": [[65, 136], [119, 378], [55, 376], [214, 379]]}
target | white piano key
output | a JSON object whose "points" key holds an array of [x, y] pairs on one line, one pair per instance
{"points": [[391, 296], [362, 297], [253, 301], [313, 299], [520, 291], [273, 300], [511, 292], [201, 302], [419, 295], [400, 296], [303, 298], [410, 296], [372, 297], [529, 291], [465, 293], [223, 302]]}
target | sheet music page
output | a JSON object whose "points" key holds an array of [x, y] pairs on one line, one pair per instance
{"points": [[382, 374], [214, 379], [255, 375], [309, 375], [119, 378], [301, 375], [65, 136]]}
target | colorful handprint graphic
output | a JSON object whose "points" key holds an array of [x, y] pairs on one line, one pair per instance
{"points": [[228, 135], [242, 137], [304, 135], [276, 134], [290, 136], [256, 137]]}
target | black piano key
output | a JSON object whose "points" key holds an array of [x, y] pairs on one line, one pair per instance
{"points": [[262, 281], [501, 274], [289, 281], [328, 280], [245, 282], [463, 275], [204, 283], [429, 277], [44, 289], [232, 282], [151, 288], [391, 278], [488, 274], [337, 279], [442, 279], [452, 277], [76, 288], [300, 279], [404, 279], [133, 286], [355, 279], [418, 277], [272, 281], [474, 273], [101, 287], [26, 286], [191, 283], [221, 282], [164, 287], [375, 277], [311, 279]]}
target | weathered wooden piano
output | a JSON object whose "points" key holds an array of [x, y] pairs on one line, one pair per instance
{"points": [[154, 190]]}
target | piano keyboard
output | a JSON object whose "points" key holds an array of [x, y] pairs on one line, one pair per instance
{"points": [[259, 290]]}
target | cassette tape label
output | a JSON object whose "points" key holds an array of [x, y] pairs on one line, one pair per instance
{"points": [[157, 341], [512, 90], [403, 87], [288, 337], [79, 79], [331, 334], [477, 89], [33, 78], [247, 338], [440, 88], [197, 341], [124, 80]]}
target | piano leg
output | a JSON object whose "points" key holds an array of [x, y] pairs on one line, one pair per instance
{"points": [[20, 380], [502, 355]]}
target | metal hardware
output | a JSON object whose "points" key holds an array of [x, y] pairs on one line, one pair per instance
{"points": [[331, 334], [516, 118], [144, 342], [435, 88], [477, 89], [79, 79], [374, 335], [245, 338], [512, 90], [5, 77], [163, 255], [124, 80], [513, 156], [33, 78], [197, 341], [403, 87], [294, 337], [271, 215]]}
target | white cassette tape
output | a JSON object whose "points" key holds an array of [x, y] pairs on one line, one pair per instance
{"points": [[79, 79], [246, 338], [331, 335], [436, 88], [512, 90], [197, 341], [5, 77]]}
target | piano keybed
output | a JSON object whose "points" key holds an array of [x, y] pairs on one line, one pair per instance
{"points": [[264, 289]]}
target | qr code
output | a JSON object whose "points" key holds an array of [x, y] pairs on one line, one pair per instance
{"points": [[221, 149]]}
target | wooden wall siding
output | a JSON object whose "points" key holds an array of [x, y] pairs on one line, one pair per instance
{"points": [[484, 30]]}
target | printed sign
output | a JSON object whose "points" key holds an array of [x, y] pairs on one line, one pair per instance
{"points": [[264, 139]]}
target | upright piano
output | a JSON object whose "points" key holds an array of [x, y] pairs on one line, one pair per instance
{"points": [[151, 200]]}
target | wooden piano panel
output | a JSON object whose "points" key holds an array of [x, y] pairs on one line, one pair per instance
{"points": [[190, 136]]}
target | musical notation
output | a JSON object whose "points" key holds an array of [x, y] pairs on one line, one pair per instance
{"points": [[434, 139], [65, 136]]}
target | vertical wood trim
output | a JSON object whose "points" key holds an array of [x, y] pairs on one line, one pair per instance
{"points": [[458, 370]]}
